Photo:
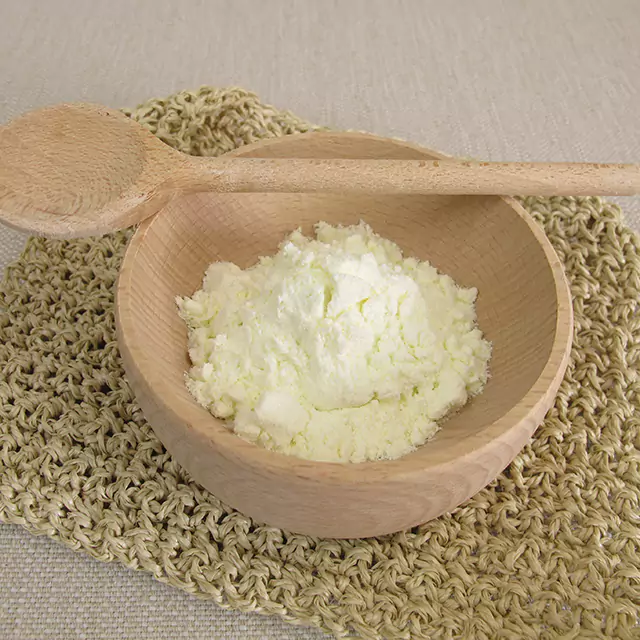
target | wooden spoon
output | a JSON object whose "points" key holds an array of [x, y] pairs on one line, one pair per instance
{"points": [[79, 169]]}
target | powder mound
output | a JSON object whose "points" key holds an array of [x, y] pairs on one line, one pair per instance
{"points": [[335, 349]]}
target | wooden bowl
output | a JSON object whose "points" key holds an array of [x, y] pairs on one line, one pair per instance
{"points": [[487, 242]]}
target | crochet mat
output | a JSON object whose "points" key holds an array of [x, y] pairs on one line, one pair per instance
{"points": [[548, 550]]}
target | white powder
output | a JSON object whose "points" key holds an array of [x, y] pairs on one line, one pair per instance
{"points": [[334, 349]]}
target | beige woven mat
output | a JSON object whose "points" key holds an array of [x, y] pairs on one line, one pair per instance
{"points": [[549, 550]]}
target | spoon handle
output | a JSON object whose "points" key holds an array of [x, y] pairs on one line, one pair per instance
{"points": [[446, 177]]}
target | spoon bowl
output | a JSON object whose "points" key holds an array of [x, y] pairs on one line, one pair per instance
{"points": [[488, 242], [52, 182]]}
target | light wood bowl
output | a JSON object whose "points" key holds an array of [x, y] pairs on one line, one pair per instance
{"points": [[487, 242]]}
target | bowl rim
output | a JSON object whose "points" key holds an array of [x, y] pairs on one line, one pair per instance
{"points": [[515, 426]]}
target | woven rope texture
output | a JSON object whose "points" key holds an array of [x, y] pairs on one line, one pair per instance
{"points": [[549, 550]]}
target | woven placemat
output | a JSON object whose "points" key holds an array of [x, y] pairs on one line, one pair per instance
{"points": [[548, 550]]}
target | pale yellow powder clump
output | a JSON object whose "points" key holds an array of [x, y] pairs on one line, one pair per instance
{"points": [[336, 348]]}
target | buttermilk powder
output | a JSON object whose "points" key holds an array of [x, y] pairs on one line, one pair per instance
{"points": [[336, 348]]}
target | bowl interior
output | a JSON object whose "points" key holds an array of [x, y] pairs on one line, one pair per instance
{"points": [[485, 242]]}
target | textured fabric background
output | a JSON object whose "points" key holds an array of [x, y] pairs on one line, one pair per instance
{"points": [[497, 80]]}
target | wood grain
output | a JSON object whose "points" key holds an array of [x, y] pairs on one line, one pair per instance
{"points": [[77, 169], [523, 308], [444, 177], [74, 170]]}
